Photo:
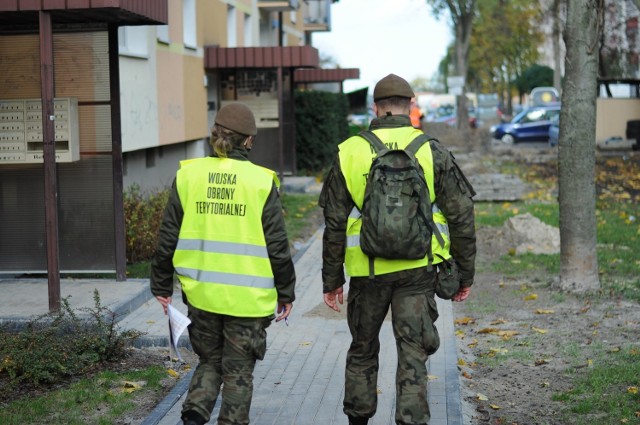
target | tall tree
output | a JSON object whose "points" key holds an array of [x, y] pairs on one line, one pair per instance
{"points": [[499, 55], [576, 154], [556, 34], [461, 13]]}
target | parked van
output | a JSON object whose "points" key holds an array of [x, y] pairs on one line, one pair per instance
{"points": [[541, 96]]}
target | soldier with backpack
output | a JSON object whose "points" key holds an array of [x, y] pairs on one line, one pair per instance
{"points": [[399, 219]]}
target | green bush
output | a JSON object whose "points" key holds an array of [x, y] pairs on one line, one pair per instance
{"points": [[143, 215], [321, 124], [60, 345]]}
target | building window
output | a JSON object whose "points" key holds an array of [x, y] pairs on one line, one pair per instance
{"points": [[189, 24], [248, 31], [231, 27], [162, 33], [132, 41], [150, 157]]}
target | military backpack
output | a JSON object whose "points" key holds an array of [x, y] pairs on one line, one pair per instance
{"points": [[397, 220]]}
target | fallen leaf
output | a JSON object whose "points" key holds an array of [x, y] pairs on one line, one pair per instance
{"points": [[379, 391], [150, 322], [540, 362], [461, 362], [465, 321], [130, 386], [632, 390], [481, 397], [173, 373], [460, 333], [637, 414], [542, 311], [488, 331], [540, 331], [499, 321], [473, 343], [531, 297], [507, 335], [467, 375], [494, 406], [544, 384], [305, 344], [614, 349], [498, 350], [432, 377]]}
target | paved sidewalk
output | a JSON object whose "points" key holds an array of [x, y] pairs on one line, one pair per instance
{"points": [[301, 379]]}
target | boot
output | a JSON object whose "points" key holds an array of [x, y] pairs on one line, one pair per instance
{"points": [[192, 418], [356, 420]]}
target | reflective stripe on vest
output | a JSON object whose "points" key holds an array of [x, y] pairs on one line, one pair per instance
{"points": [[355, 172], [221, 258]]}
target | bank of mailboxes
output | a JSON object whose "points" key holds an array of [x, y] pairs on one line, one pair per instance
{"points": [[21, 140]]}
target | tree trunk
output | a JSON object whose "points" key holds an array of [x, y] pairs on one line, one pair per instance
{"points": [[557, 33], [462, 49], [576, 154]]}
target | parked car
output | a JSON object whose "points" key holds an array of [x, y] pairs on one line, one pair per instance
{"points": [[452, 118], [554, 131], [532, 124]]}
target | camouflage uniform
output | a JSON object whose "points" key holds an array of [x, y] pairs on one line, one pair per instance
{"points": [[228, 346], [409, 293]]}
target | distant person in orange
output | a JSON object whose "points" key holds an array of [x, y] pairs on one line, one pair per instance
{"points": [[415, 114]]}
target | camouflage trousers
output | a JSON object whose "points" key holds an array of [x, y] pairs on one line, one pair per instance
{"points": [[414, 311], [228, 348]]}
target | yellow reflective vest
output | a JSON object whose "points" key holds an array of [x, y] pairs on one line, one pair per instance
{"points": [[221, 257], [354, 167]]}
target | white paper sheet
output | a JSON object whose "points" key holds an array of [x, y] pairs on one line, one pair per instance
{"points": [[178, 322]]}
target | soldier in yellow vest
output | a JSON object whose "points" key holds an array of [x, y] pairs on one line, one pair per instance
{"points": [[223, 235], [406, 286]]}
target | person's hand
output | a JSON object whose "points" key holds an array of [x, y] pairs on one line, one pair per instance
{"points": [[164, 301], [462, 294], [284, 309], [330, 298]]}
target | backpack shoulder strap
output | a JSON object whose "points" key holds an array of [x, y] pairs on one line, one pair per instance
{"points": [[413, 147], [417, 143], [374, 140]]}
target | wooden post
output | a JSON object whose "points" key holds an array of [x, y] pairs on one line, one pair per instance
{"points": [[116, 152], [49, 152]]}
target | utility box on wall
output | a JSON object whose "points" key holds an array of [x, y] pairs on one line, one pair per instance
{"points": [[21, 140]]}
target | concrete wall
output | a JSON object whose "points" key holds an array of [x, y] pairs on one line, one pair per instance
{"points": [[139, 98]]}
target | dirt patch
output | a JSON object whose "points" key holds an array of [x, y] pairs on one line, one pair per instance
{"points": [[521, 342]]}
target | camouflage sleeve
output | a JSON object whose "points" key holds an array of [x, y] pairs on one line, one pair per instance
{"points": [[162, 262], [336, 204], [275, 235], [454, 198]]}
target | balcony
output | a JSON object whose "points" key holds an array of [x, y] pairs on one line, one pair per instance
{"points": [[317, 15], [278, 5]]}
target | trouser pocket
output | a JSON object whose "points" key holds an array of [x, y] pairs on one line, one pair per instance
{"points": [[430, 337]]}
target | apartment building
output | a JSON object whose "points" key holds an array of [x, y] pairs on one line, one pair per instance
{"points": [[97, 95], [175, 77]]}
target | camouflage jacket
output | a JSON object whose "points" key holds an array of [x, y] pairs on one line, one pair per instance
{"points": [[453, 195], [274, 232]]}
